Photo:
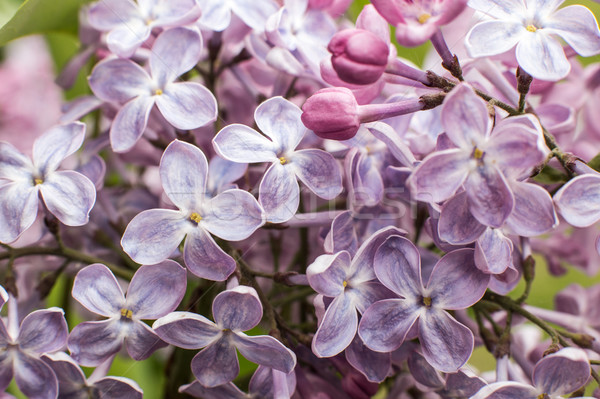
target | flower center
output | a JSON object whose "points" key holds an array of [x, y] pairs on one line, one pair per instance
{"points": [[283, 160], [543, 396], [37, 181], [345, 283], [158, 92], [126, 313], [195, 217], [423, 18], [427, 301], [531, 28], [477, 153]]}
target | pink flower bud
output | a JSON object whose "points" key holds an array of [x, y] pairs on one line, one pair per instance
{"points": [[332, 113], [358, 56]]}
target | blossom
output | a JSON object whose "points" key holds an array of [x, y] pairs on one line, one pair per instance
{"points": [[68, 195], [531, 26]]}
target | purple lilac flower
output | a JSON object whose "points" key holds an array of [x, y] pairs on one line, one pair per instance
{"points": [[129, 24], [185, 105], [68, 195], [153, 235], [484, 161], [454, 283], [235, 310], [553, 377], [532, 26], [154, 291], [279, 193]]}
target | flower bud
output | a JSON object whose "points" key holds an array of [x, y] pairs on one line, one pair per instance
{"points": [[332, 113], [358, 56]]}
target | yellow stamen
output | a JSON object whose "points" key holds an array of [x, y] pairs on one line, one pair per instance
{"points": [[126, 313], [427, 301], [195, 217], [158, 92], [531, 28], [37, 181], [477, 154], [345, 283], [423, 18], [282, 160]]}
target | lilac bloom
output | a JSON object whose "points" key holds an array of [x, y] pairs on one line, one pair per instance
{"points": [[484, 158], [454, 283], [554, 377], [72, 383], [68, 195], [352, 285], [153, 235], [154, 291], [41, 331], [235, 311], [578, 201], [532, 26], [129, 24], [216, 14], [185, 105], [279, 193]]}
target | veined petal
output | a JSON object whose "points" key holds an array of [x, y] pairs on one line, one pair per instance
{"points": [[43, 331], [118, 388], [119, 80], [319, 171], [494, 37], [18, 211], [279, 193], [385, 324], [328, 273], [108, 14], [280, 120], [141, 341], [34, 377], [187, 105], [578, 27], [578, 201], [490, 199], [457, 225], [465, 117], [237, 309], [562, 372], [69, 196], [232, 215], [267, 382], [92, 342], [266, 351], [216, 15], [373, 365], [446, 344], [338, 327], [124, 40], [222, 174], [228, 390], [362, 266], [455, 282], [493, 252], [205, 258], [216, 364], [153, 235], [52, 147], [6, 370], [254, 14], [239, 143], [439, 175], [183, 173], [174, 52], [506, 389], [13, 164], [187, 330], [398, 267], [130, 122], [542, 56], [499, 9], [533, 213], [156, 290]]}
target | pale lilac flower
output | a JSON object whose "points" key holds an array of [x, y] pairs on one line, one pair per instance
{"points": [[532, 26], [153, 235], [454, 283], [554, 377], [235, 310], [154, 291], [129, 24], [68, 195], [185, 105], [216, 14], [279, 193]]}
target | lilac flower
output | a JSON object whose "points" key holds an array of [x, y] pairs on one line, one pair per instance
{"points": [[155, 234], [235, 311], [185, 105], [41, 331], [578, 201], [72, 383], [129, 24], [553, 377], [68, 195], [454, 283], [352, 285], [484, 159], [216, 14], [154, 291], [279, 193], [531, 26]]}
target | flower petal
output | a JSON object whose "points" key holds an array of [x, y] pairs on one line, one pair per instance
{"points": [[187, 105], [174, 52], [97, 289], [373, 365], [18, 211], [118, 388], [457, 225], [107, 14], [280, 120], [578, 27], [69, 196], [34, 377], [266, 351], [494, 37], [465, 117], [156, 290], [542, 57], [254, 14], [337, 328], [562, 372], [384, 325], [130, 122], [93, 342], [205, 258], [506, 389], [328, 273], [13, 164], [124, 40], [279, 193], [533, 213], [232, 215], [119, 80], [398, 267], [52, 147], [43, 331], [237, 309], [239, 143], [216, 364], [141, 341], [186, 330], [578, 201], [319, 171], [493, 252], [490, 199]]}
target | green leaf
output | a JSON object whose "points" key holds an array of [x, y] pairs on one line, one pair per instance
{"points": [[594, 163], [42, 16], [549, 175]]}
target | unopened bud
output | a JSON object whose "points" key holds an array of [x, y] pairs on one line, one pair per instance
{"points": [[358, 56], [332, 113]]}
